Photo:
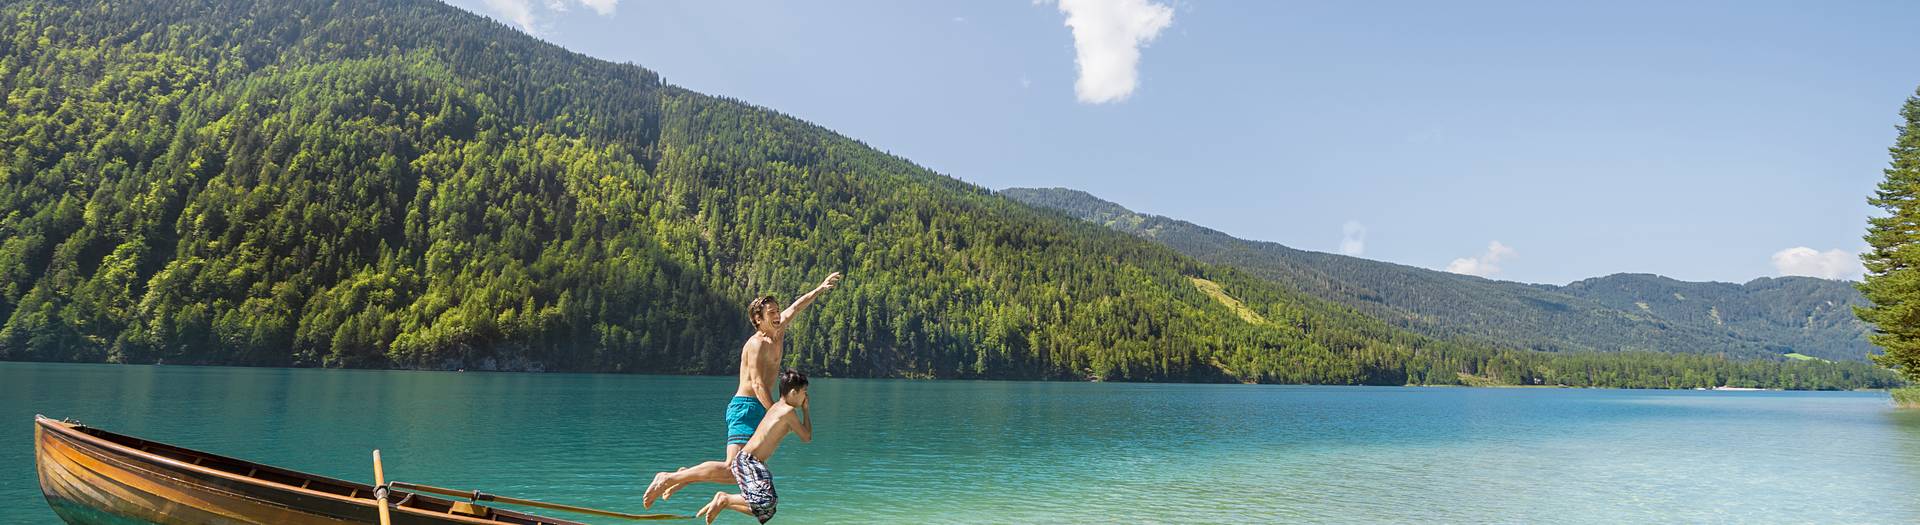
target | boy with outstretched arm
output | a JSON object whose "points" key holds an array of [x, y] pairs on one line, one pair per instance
{"points": [[759, 361], [757, 497]]}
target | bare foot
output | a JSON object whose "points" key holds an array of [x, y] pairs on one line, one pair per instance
{"points": [[653, 490], [671, 488], [712, 510]]}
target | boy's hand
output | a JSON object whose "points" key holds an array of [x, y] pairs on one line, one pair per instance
{"points": [[805, 428], [807, 299]]}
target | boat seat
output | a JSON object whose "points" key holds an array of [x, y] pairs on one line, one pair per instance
{"points": [[469, 509]]}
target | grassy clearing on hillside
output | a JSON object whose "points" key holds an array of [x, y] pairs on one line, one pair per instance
{"points": [[1213, 289]]}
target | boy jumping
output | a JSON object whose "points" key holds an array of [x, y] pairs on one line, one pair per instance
{"points": [[759, 361], [757, 497]]}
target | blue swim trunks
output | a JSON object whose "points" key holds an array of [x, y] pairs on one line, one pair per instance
{"points": [[743, 417]]}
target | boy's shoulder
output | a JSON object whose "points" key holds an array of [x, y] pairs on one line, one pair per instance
{"points": [[757, 341], [781, 409]]}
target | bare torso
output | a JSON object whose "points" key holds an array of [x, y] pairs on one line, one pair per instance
{"points": [[759, 366], [766, 439]]}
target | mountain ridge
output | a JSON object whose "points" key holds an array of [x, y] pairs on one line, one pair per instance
{"points": [[407, 184], [404, 184], [1624, 311]]}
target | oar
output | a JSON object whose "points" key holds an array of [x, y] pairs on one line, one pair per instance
{"points": [[482, 496], [380, 488]]}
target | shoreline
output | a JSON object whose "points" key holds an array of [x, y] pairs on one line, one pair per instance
{"points": [[1914, 403], [1906, 398]]}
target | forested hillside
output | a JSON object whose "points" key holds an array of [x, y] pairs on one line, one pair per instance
{"points": [[1766, 318], [405, 184], [1804, 315]]}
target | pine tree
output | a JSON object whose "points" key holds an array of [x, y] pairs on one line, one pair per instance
{"points": [[1893, 264]]}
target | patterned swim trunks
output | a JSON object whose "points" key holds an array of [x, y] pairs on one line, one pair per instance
{"points": [[756, 485]]}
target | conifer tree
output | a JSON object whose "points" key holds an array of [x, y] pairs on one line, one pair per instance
{"points": [[1893, 262]]}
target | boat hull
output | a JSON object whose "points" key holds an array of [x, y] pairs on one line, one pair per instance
{"points": [[89, 485], [90, 480]]}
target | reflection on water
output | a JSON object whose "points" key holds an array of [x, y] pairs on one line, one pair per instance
{"points": [[1015, 452], [1907, 423]]}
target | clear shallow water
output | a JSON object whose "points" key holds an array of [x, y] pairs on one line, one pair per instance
{"points": [[1011, 452]]}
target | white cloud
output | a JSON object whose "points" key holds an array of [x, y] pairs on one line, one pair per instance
{"points": [[1107, 37], [1353, 239], [1830, 264], [604, 7], [520, 12], [1486, 264], [526, 13]]}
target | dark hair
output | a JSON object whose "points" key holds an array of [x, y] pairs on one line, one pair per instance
{"points": [[758, 305], [791, 380]]}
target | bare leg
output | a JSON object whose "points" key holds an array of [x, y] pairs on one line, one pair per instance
{"points": [[709, 472], [722, 501], [665, 484]]}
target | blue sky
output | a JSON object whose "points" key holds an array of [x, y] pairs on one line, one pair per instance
{"points": [[1529, 141]]}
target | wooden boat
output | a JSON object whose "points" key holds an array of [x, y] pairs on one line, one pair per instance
{"points": [[91, 476]]}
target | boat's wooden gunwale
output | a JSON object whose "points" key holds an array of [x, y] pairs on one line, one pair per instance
{"points": [[67, 431], [106, 486]]}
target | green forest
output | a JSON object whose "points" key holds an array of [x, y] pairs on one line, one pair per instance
{"points": [[404, 184], [1764, 318]]}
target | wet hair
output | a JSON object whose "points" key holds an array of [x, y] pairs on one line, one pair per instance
{"points": [[758, 307], [791, 380]]}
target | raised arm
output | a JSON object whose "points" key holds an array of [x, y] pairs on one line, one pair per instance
{"points": [[804, 427], [804, 300]]}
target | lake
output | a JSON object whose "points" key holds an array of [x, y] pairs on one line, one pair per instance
{"points": [[1026, 452]]}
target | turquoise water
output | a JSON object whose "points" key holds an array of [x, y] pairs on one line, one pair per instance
{"points": [[1015, 452]]}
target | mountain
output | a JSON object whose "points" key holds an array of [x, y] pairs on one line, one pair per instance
{"points": [[404, 184], [1804, 315], [1765, 318]]}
